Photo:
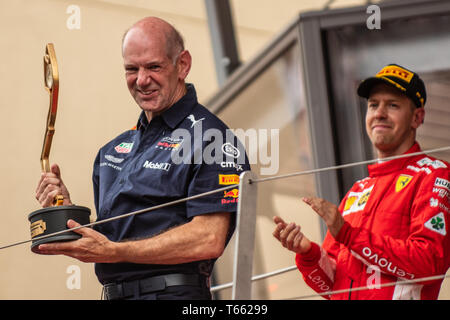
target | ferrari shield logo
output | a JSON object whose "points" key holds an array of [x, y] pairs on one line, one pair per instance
{"points": [[402, 182]]}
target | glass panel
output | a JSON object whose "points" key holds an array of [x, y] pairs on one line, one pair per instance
{"points": [[356, 53], [275, 102], [435, 131]]}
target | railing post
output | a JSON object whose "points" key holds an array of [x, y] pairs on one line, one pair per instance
{"points": [[245, 237]]}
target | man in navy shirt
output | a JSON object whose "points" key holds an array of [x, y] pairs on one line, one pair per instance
{"points": [[177, 149]]}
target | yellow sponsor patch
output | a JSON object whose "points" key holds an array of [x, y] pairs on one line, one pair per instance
{"points": [[350, 201], [356, 201], [364, 198], [227, 179], [402, 182], [397, 72]]}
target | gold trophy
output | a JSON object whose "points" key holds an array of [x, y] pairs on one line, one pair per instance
{"points": [[53, 219]]}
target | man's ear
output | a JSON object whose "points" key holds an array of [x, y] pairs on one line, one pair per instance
{"points": [[418, 117], [184, 64]]}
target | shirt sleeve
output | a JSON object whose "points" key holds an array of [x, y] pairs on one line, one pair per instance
{"points": [[425, 251], [95, 180], [318, 265], [317, 269], [220, 170]]}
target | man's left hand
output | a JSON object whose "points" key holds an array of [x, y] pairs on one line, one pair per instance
{"points": [[92, 247], [328, 212]]}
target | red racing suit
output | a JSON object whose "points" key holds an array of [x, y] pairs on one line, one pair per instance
{"points": [[396, 228]]}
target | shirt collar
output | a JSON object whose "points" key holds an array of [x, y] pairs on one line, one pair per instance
{"points": [[177, 112], [390, 166]]}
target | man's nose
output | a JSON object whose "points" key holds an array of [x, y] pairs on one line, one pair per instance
{"points": [[143, 78], [381, 111]]}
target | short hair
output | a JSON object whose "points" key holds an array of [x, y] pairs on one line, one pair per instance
{"points": [[174, 42]]}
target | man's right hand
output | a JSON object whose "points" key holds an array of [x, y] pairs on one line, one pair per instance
{"points": [[50, 185], [290, 236]]}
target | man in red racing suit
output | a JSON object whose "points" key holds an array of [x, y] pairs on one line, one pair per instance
{"points": [[391, 226], [395, 228]]}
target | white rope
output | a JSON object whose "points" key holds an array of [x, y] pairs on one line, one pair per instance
{"points": [[269, 274], [256, 278], [348, 165], [283, 270], [222, 189], [327, 293], [160, 206], [374, 287]]}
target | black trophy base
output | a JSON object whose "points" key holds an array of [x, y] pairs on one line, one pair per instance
{"points": [[53, 219]]}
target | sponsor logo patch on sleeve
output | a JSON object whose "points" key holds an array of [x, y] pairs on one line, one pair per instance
{"points": [[356, 201], [230, 196], [442, 183], [437, 224], [436, 164], [124, 147], [228, 179]]}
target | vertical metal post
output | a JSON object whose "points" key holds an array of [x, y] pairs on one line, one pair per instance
{"points": [[220, 21], [245, 237], [319, 115]]}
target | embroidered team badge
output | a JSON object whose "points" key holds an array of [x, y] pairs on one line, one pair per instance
{"points": [[349, 203], [124, 147], [364, 198], [437, 224], [402, 182], [356, 201]]}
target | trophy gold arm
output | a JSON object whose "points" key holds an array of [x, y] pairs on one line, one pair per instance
{"points": [[46, 221], [51, 82]]}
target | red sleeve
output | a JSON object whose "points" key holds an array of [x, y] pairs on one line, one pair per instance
{"points": [[317, 268], [318, 265], [425, 251]]}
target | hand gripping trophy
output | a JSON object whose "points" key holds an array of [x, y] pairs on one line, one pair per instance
{"points": [[45, 222]]}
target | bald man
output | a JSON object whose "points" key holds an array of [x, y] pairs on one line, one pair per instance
{"points": [[168, 253]]}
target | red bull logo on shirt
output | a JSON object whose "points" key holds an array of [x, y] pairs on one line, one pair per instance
{"points": [[169, 143], [232, 196]]}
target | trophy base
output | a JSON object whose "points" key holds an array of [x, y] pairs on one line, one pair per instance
{"points": [[53, 219]]}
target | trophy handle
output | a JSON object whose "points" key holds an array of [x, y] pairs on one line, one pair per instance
{"points": [[51, 82]]}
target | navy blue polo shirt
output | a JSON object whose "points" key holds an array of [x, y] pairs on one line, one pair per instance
{"points": [[184, 151]]}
